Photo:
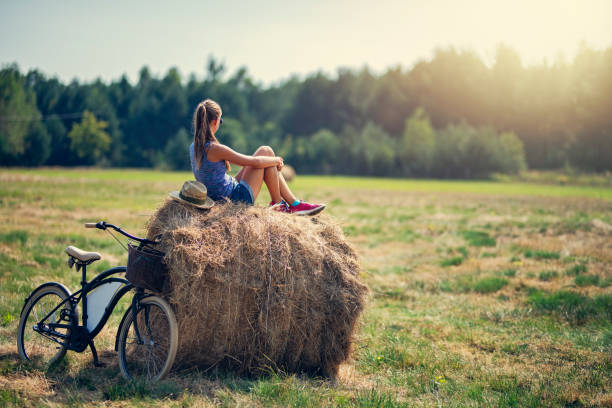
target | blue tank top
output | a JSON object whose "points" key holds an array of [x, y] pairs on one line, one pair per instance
{"points": [[218, 183]]}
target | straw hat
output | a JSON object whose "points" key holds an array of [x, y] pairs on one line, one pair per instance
{"points": [[193, 193]]}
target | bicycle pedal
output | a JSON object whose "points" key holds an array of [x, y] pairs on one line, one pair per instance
{"points": [[99, 364]]}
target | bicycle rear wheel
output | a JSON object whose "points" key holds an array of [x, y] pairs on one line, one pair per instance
{"points": [[36, 342], [152, 359]]}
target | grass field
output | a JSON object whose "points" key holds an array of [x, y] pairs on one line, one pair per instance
{"points": [[483, 293]]}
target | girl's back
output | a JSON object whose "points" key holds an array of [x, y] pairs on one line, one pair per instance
{"points": [[212, 174]]}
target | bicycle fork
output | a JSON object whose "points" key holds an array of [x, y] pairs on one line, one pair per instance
{"points": [[135, 308]]}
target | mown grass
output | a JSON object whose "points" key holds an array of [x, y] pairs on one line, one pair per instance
{"points": [[490, 284], [483, 293], [467, 283], [479, 238], [548, 275], [586, 280], [573, 306], [541, 254], [576, 270], [346, 182], [17, 236]]}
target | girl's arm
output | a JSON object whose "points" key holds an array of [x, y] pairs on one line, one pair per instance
{"points": [[218, 152]]}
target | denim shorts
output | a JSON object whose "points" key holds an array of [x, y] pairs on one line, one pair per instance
{"points": [[242, 193]]}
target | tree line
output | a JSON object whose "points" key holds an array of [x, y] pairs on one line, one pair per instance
{"points": [[452, 116]]}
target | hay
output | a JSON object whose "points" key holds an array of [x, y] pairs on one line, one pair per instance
{"points": [[288, 173], [255, 290]]}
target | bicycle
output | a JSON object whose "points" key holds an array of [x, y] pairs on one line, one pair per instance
{"points": [[147, 337]]}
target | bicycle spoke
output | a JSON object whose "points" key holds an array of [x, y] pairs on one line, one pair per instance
{"points": [[43, 346], [148, 360]]}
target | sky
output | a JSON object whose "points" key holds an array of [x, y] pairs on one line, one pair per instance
{"points": [[276, 39]]}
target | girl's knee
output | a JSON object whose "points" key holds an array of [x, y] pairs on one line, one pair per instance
{"points": [[264, 151]]}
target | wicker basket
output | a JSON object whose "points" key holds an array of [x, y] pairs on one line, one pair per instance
{"points": [[146, 268]]}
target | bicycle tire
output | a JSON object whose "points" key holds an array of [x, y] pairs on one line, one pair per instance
{"points": [[153, 359], [32, 345]]}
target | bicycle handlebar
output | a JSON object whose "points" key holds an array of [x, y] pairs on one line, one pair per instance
{"points": [[104, 225]]}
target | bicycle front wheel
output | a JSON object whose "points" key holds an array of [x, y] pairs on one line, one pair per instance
{"points": [[151, 358], [38, 340]]}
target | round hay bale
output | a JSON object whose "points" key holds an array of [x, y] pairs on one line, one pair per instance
{"points": [[256, 291], [288, 172]]}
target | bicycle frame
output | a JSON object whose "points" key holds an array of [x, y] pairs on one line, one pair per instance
{"points": [[80, 337]]}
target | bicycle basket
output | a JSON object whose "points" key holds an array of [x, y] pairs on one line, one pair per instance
{"points": [[146, 268]]}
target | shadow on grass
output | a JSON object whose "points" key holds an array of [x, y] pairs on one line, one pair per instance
{"points": [[187, 386]]}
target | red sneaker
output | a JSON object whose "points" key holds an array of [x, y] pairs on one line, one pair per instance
{"points": [[304, 208]]}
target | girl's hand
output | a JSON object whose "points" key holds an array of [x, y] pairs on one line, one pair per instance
{"points": [[280, 164]]}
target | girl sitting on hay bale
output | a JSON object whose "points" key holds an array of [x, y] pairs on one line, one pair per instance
{"points": [[210, 160]]}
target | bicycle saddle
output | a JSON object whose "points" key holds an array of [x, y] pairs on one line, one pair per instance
{"points": [[82, 255]]}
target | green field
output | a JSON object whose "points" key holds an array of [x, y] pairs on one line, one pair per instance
{"points": [[483, 293]]}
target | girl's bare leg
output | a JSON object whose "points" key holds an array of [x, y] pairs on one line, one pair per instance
{"points": [[284, 189], [254, 177], [240, 174], [277, 186]]}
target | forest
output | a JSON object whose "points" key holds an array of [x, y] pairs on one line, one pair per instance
{"points": [[450, 116]]}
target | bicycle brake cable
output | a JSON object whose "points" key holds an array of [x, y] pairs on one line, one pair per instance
{"points": [[113, 235]]}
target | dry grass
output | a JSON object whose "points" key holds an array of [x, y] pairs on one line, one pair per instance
{"points": [[428, 338]]}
